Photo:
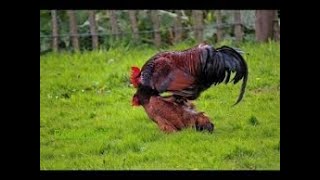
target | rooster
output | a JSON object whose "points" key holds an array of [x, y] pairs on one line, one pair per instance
{"points": [[168, 115], [186, 74]]}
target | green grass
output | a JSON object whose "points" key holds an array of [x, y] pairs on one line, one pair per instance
{"points": [[87, 121]]}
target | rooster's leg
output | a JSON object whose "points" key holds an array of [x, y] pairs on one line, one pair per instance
{"points": [[177, 99]]}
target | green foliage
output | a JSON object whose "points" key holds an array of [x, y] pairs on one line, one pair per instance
{"points": [[107, 40], [87, 121]]}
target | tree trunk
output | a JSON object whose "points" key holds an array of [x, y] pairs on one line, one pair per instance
{"points": [[114, 24], [238, 26], [73, 30], [134, 24], [194, 23], [55, 32], [198, 25], [155, 17], [276, 27], [177, 27], [171, 36], [264, 24], [219, 25], [93, 29]]}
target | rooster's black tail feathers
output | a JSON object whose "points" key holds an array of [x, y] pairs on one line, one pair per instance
{"points": [[227, 60]]}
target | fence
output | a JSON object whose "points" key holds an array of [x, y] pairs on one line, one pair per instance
{"points": [[233, 29]]}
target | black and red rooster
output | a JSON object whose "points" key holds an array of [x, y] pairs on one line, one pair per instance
{"points": [[186, 74]]}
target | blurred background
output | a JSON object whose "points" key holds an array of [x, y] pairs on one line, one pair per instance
{"points": [[78, 30]]}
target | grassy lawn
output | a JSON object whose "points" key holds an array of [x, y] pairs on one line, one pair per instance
{"points": [[87, 121]]}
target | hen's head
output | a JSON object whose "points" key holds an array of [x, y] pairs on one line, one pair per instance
{"points": [[135, 76], [135, 101]]}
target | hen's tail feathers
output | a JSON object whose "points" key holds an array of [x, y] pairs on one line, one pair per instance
{"points": [[135, 72], [235, 62]]}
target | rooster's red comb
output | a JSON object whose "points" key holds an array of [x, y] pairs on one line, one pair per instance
{"points": [[135, 69], [134, 79]]}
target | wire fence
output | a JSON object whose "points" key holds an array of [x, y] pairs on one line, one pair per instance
{"points": [[208, 31], [222, 26]]}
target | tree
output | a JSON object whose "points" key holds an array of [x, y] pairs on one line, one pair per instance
{"points": [[276, 27], [198, 24], [93, 29], [219, 25], [238, 26], [264, 24], [55, 32], [134, 24], [114, 24], [155, 18], [73, 30], [177, 27]]}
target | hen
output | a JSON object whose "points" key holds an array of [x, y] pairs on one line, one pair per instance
{"points": [[186, 74], [168, 115]]}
